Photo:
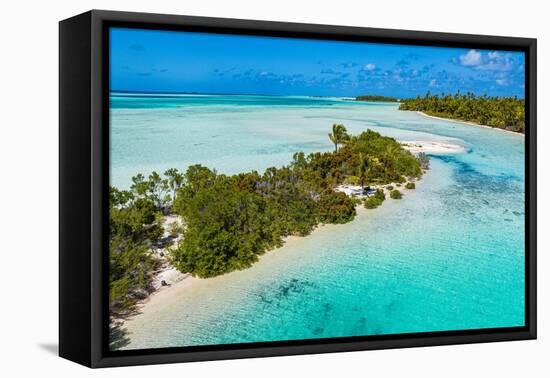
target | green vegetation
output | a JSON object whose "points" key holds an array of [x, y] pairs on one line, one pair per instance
{"points": [[376, 98], [424, 160], [229, 221], [375, 200], [501, 112], [335, 207], [135, 229], [396, 194], [338, 136], [227, 226], [410, 185]]}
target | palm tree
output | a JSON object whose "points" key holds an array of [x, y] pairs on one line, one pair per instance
{"points": [[339, 135], [363, 169]]}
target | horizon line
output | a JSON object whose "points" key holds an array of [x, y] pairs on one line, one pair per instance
{"points": [[129, 91]]}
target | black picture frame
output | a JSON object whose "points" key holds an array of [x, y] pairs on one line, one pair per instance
{"points": [[83, 182]]}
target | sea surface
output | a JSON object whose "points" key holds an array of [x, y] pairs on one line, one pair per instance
{"points": [[448, 256]]}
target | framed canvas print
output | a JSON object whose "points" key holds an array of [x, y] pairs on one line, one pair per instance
{"points": [[234, 188]]}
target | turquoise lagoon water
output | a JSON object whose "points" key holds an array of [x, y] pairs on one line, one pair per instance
{"points": [[449, 256]]}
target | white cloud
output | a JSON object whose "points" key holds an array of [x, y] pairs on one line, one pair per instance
{"points": [[432, 83], [370, 67], [503, 81], [490, 61], [471, 58]]}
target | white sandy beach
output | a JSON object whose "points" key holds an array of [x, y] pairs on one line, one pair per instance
{"points": [[431, 147]]}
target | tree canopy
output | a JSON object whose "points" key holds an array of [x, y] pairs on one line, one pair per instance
{"points": [[339, 135], [375, 98], [501, 112], [134, 228]]}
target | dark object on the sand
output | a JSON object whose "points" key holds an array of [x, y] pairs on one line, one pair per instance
{"points": [[141, 294], [163, 283]]}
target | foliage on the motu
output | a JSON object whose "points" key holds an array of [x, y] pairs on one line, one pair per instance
{"points": [[161, 191], [290, 201], [339, 135], [227, 225], [130, 267], [502, 112], [231, 220], [335, 207], [424, 160], [374, 98], [134, 218], [410, 185], [396, 194], [387, 160], [375, 200]]}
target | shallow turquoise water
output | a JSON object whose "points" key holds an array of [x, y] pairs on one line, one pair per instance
{"points": [[449, 256]]}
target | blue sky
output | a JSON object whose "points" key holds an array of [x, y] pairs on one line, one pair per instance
{"points": [[168, 61]]}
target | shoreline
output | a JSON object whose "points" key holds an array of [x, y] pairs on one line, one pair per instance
{"points": [[187, 280], [164, 296], [468, 123], [431, 147]]}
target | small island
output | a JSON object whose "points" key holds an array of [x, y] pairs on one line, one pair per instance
{"points": [[203, 223], [376, 98], [507, 113]]}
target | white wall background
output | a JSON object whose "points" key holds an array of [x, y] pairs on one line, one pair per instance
{"points": [[29, 186]]}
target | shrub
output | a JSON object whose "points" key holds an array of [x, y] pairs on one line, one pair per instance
{"points": [[130, 273], [396, 194], [389, 187], [410, 185], [375, 200], [380, 194], [226, 228], [372, 202], [424, 160], [335, 207]]}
